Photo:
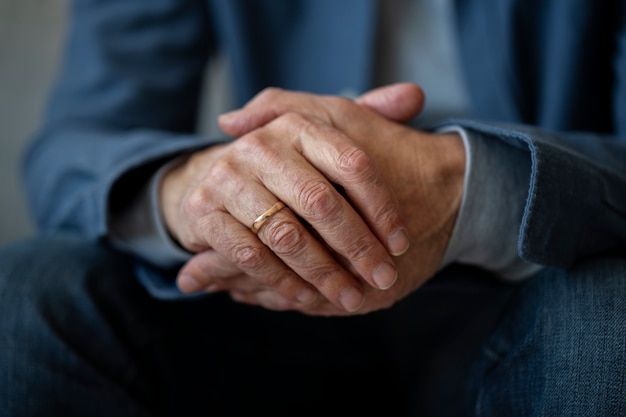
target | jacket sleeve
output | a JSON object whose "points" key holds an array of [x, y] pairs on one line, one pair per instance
{"points": [[561, 83], [125, 101], [576, 204]]}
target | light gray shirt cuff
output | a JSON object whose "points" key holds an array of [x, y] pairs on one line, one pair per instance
{"points": [[139, 229], [486, 231]]}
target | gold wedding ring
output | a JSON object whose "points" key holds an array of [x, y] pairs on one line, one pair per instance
{"points": [[259, 221]]}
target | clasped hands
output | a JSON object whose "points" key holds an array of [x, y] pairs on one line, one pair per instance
{"points": [[370, 203]]}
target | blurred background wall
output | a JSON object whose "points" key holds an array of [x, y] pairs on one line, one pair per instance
{"points": [[31, 36]]}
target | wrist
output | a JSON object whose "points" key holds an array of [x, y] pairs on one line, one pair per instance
{"points": [[437, 173], [448, 162], [452, 159], [487, 229], [170, 193]]}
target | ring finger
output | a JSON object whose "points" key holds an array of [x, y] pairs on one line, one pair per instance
{"points": [[288, 239]]}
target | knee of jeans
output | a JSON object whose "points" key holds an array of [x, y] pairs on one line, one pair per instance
{"points": [[49, 276], [34, 263], [560, 347], [586, 302]]}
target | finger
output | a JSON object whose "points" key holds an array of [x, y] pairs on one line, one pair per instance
{"points": [[400, 102], [305, 255], [241, 121], [293, 258], [324, 308], [210, 271], [203, 269], [243, 251], [267, 299], [273, 301]]}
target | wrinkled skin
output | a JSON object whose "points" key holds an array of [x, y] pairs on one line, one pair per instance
{"points": [[383, 164]]}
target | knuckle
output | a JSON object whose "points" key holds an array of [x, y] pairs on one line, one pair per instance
{"points": [[221, 171], [296, 125], [307, 128], [199, 201], [318, 200], [360, 249], [286, 238], [256, 143], [355, 162], [272, 280], [321, 276], [195, 204], [292, 118], [252, 142], [388, 213], [248, 257]]}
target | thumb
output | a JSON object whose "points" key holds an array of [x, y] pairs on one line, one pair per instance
{"points": [[400, 102]]}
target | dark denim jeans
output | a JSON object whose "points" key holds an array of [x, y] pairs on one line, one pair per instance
{"points": [[80, 337]]}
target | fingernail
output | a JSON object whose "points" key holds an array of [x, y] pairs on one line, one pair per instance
{"points": [[306, 295], [188, 284], [351, 299], [385, 275], [398, 242]]}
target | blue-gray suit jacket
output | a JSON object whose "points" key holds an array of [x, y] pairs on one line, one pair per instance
{"points": [[547, 76]]}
